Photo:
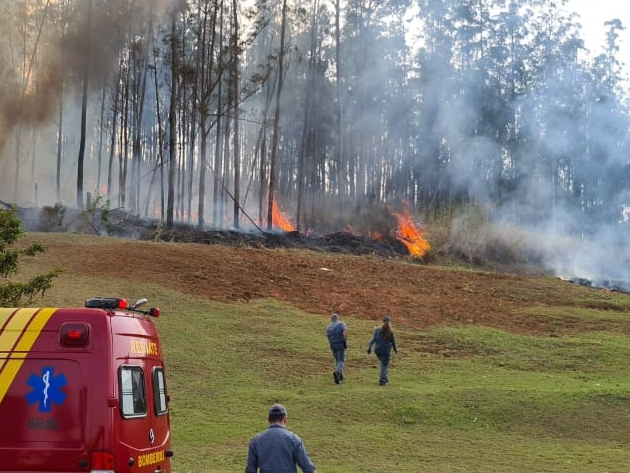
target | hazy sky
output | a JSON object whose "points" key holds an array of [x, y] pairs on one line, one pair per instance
{"points": [[593, 14]]}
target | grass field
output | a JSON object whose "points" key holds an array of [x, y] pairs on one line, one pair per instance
{"points": [[462, 397]]}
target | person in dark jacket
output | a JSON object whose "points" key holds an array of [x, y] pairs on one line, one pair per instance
{"points": [[337, 333], [383, 341], [277, 449]]}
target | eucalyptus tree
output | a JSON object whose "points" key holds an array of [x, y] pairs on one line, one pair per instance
{"points": [[305, 126], [208, 76], [314, 144], [84, 100], [276, 117], [435, 88], [61, 14], [371, 57], [552, 111], [470, 76], [142, 122], [234, 106], [339, 157], [602, 172], [513, 75], [172, 136], [477, 157], [260, 65]]}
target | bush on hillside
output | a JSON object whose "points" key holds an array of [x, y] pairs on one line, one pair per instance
{"points": [[13, 293], [476, 240]]}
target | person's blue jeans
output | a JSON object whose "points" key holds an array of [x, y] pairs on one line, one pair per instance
{"points": [[383, 357], [339, 354]]}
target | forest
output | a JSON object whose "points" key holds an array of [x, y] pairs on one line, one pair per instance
{"points": [[217, 112]]}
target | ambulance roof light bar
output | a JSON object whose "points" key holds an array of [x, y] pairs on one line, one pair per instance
{"points": [[106, 303], [118, 303]]}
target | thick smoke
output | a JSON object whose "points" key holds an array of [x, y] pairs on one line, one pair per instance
{"points": [[88, 47], [568, 242], [32, 105], [573, 239]]}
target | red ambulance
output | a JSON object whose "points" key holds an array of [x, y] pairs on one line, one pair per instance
{"points": [[83, 390]]}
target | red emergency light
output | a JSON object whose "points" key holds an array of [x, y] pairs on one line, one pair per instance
{"points": [[154, 312], [106, 303], [74, 334]]}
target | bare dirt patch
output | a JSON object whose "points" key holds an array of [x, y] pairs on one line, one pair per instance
{"points": [[361, 286]]}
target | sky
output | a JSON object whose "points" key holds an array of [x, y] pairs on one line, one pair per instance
{"points": [[593, 14]]}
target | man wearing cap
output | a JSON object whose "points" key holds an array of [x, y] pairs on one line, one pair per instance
{"points": [[383, 339], [277, 449], [337, 333]]}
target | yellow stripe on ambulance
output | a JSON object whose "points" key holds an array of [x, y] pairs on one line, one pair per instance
{"points": [[21, 328]]}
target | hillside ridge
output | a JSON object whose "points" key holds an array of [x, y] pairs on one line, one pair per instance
{"points": [[365, 287]]}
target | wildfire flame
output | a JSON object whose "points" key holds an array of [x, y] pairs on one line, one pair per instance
{"points": [[409, 234], [279, 220]]}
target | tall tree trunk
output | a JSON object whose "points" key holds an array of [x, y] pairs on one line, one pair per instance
{"points": [[59, 148], [276, 121], [112, 142], [124, 137], [190, 166], [101, 138], [86, 73], [234, 84], [339, 182], [172, 124], [217, 208], [160, 145], [138, 96], [205, 63], [306, 150]]}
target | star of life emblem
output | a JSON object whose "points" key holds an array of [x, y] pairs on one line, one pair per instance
{"points": [[46, 389]]}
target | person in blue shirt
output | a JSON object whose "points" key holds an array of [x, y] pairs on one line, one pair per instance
{"points": [[277, 449], [383, 340], [337, 333]]}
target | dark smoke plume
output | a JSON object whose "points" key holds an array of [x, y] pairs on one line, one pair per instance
{"points": [[90, 45]]}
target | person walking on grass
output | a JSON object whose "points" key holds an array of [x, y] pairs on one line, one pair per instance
{"points": [[383, 341], [277, 449], [337, 333]]}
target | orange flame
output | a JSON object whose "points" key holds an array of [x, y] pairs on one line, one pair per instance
{"points": [[279, 219], [409, 234]]}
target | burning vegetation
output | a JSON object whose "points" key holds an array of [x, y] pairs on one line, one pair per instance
{"points": [[396, 234]]}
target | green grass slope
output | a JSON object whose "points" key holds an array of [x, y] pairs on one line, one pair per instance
{"points": [[487, 401]]}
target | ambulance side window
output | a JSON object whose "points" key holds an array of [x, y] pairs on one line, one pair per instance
{"points": [[133, 400], [159, 391]]}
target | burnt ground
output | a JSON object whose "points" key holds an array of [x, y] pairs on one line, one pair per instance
{"points": [[356, 276]]}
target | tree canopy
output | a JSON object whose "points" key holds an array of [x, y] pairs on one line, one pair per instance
{"points": [[215, 112]]}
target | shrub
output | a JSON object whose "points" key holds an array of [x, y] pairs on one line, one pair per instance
{"points": [[13, 293]]}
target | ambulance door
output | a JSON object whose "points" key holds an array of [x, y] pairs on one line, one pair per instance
{"points": [[143, 443], [159, 415]]}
